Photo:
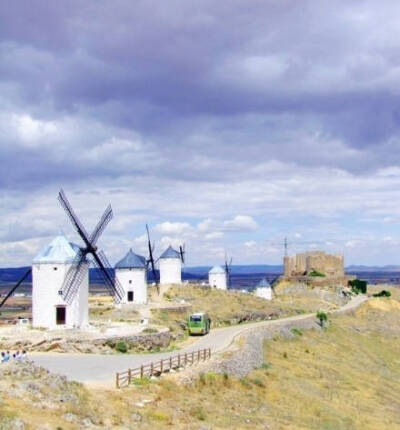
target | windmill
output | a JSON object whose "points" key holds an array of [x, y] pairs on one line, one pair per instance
{"points": [[228, 270], [77, 270], [150, 260]]}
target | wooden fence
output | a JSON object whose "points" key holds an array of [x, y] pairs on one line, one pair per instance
{"points": [[123, 379]]}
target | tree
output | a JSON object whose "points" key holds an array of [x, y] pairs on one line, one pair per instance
{"points": [[322, 317]]}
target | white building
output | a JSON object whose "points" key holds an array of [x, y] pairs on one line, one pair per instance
{"points": [[170, 267], [49, 269], [131, 273], [264, 290], [217, 278]]}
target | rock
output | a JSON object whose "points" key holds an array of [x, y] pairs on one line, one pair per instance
{"points": [[17, 424], [71, 418], [136, 417]]}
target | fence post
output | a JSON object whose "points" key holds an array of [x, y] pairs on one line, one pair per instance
{"points": [[141, 371], [129, 376], [198, 355], [161, 366], [185, 358], [179, 361], [209, 352], [204, 354], [170, 362], [192, 357], [151, 369], [117, 380]]}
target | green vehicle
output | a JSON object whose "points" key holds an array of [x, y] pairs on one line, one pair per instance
{"points": [[199, 323]]}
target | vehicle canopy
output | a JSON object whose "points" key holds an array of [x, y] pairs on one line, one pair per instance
{"points": [[198, 316]]}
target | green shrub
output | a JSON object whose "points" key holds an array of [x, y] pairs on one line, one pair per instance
{"points": [[322, 317], [285, 355], [121, 347], [358, 286], [258, 382], [265, 365], [383, 293], [316, 273], [150, 330], [297, 331]]}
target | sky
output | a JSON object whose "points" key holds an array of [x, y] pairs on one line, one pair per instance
{"points": [[224, 125]]}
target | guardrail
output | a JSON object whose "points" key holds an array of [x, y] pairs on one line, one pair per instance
{"points": [[123, 379]]}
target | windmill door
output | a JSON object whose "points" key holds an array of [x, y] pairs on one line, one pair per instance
{"points": [[60, 315], [130, 296]]}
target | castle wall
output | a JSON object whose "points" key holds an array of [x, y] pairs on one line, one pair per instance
{"points": [[303, 263]]}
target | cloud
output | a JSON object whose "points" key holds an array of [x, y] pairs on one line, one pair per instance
{"points": [[174, 228], [211, 135], [240, 223]]}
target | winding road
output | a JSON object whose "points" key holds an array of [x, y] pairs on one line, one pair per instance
{"points": [[99, 368]]}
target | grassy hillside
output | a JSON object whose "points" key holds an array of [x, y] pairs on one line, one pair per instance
{"points": [[344, 377], [230, 307]]}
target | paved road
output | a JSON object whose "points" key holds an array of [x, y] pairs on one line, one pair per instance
{"points": [[102, 368]]}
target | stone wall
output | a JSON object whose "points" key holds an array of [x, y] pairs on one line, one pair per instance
{"points": [[303, 263]]}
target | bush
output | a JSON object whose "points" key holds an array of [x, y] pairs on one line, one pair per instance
{"points": [[322, 317], [297, 331], [316, 273], [150, 330], [121, 347], [358, 286], [383, 293], [258, 382]]}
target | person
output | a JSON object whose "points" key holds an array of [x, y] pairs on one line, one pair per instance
{"points": [[3, 357], [7, 356], [23, 355]]}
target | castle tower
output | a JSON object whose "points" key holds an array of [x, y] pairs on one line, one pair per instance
{"points": [[131, 273], [170, 267], [49, 269], [217, 278]]}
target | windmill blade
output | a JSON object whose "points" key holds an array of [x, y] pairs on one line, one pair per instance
{"points": [[62, 198], [27, 273], [182, 253], [74, 277], [101, 225], [151, 258], [112, 283]]}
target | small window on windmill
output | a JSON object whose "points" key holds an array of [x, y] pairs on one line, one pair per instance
{"points": [[130, 281], [54, 268]]}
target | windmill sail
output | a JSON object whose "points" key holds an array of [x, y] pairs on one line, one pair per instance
{"points": [[75, 274]]}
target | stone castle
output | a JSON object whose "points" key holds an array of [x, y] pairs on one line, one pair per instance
{"points": [[331, 266]]}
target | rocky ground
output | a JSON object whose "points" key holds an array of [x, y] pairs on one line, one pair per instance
{"points": [[136, 338]]}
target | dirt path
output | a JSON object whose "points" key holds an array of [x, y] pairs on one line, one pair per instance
{"points": [[98, 368]]}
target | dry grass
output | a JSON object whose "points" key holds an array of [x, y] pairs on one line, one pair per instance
{"points": [[230, 307], [343, 377]]}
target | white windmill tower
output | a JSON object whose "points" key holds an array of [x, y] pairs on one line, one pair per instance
{"points": [[264, 289], [49, 270], [131, 273], [218, 278], [171, 266]]}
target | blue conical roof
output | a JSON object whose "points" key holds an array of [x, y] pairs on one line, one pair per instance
{"points": [[59, 251], [263, 284], [216, 270], [170, 253], [131, 261]]}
